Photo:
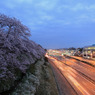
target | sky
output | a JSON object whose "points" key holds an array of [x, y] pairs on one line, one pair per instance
{"points": [[55, 23]]}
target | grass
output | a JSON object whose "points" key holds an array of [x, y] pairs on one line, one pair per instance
{"points": [[47, 82]]}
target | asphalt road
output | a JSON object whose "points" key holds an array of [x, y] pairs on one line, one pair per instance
{"points": [[73, 77]]}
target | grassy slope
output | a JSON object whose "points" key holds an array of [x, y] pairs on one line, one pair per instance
{"points": [[47, 82]]}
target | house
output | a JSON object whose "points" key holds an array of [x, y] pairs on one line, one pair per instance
{"points": [[89, 52]]}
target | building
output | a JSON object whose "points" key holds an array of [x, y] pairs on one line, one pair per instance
{"points": [[89, 52]]}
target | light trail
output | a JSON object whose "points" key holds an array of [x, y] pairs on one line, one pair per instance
{"points": [[81, 84]]}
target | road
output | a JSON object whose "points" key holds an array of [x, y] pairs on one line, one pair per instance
{"points": [[73, 77], [91, 62]]}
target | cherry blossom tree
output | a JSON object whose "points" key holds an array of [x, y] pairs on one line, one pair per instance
{"points": [[17, 52]]}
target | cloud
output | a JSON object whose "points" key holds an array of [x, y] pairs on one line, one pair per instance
{"points": [[81, 6], [21, 1], [50, 12], [11, 4], [47, 4], [77, 7], [61, 18]]}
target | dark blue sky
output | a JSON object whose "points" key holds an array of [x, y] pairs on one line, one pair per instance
{"points": [[55, 23]]}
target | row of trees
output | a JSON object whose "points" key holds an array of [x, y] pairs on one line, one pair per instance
{"points": [[17, 52]]}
